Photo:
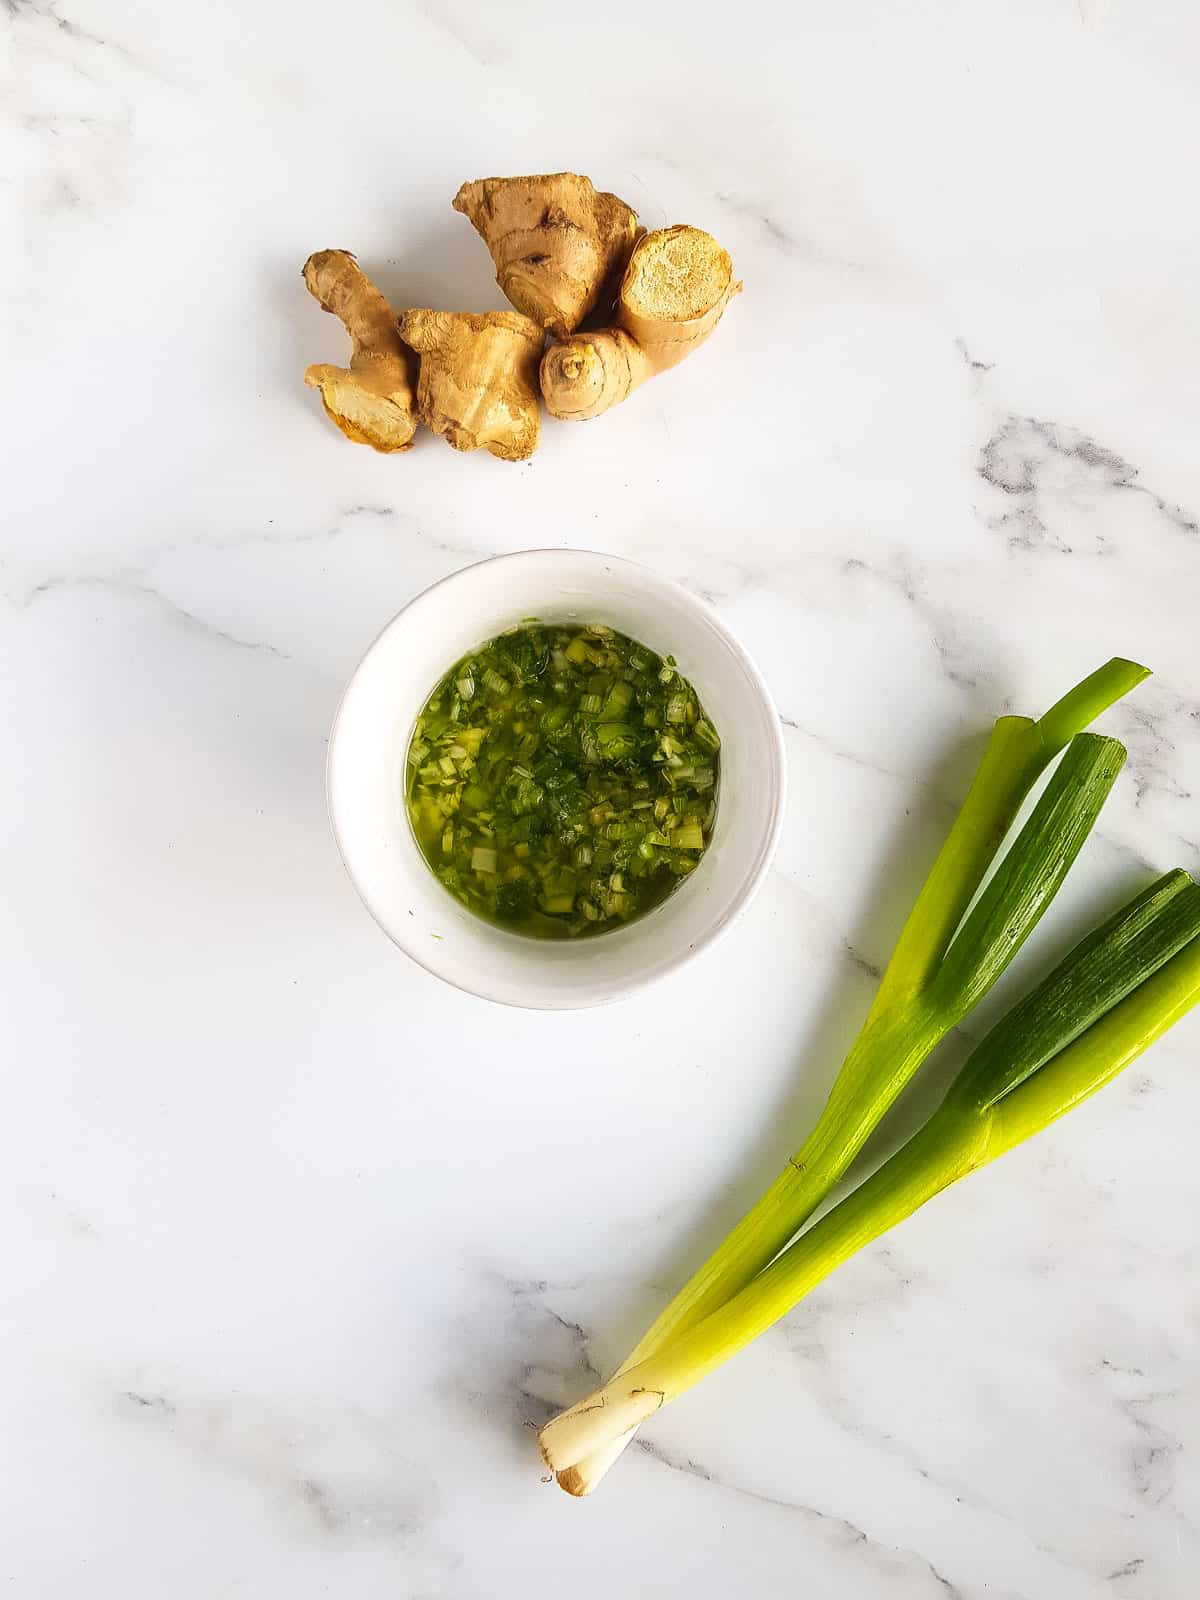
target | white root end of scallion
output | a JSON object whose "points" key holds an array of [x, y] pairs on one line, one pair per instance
{"points": [[583, 1477], [598, 1422]]}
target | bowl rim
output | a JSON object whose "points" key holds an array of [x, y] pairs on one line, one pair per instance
{"points": [[739, 904]]}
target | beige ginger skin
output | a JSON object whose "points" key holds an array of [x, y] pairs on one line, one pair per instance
{"points": [[373, 401], [568, 256], [478, 384], [558, 244], [674, 292]]}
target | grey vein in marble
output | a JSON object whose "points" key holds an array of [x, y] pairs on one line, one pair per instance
{"points": [[128, 586], [844, 1532], [1015, 460], [298, 1461]]}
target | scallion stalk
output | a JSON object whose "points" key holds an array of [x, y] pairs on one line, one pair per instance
{"points": [[932, 981], [1110, 999]]}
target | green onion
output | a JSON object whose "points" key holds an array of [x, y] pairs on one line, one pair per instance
{"points": [[933, 979], [545, 744], [619, 698], [689, 837], [1099, 972], [1112, 997]]}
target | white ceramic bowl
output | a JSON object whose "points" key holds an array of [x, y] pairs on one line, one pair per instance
{"points": [[369, 744]]}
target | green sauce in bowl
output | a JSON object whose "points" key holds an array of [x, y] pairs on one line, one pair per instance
{"points": [[562, 781]]}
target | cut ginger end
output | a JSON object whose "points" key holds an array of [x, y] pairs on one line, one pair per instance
{"points": [[678, 274], [373, 400], [672, 296], [363, 417]]}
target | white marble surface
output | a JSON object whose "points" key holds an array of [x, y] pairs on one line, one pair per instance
{"points": [[296, 1242]]}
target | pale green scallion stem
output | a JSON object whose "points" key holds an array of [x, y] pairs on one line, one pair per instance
{"points": [[901, 1029], [984, 1115], [895, 1043]]}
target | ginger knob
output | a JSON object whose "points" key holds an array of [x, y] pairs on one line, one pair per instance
{"points": [[478, 383], [373, 401], [559, 244], [674, 292]]}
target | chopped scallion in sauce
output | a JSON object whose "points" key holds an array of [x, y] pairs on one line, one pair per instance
{"points": [[563, 780]]}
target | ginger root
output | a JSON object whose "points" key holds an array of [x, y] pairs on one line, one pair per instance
{"points": [[560, 249], [557, 243], [674, 291], [478, 384], [373, 401]]}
